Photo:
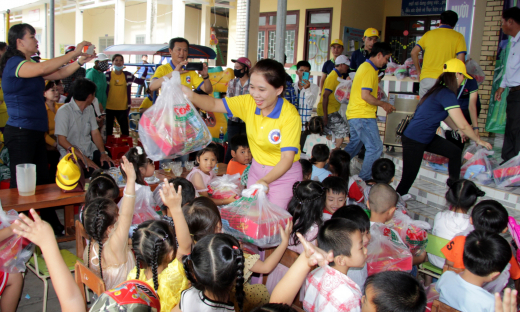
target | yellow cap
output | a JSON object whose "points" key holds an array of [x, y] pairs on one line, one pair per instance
{"points": [[456, 66], [68, 173], [336, 41], [371, 32]]}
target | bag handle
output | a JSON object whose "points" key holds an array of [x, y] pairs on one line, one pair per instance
{"points": [[75, 158]]}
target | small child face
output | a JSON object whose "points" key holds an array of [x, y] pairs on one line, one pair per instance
{"points": [[367, 303], [147, 170], [335, 201], [242, 155], [358, 253], [207, 162]]}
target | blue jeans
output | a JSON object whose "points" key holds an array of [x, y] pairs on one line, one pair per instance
{"points": [[140, 89], [365, 131]]}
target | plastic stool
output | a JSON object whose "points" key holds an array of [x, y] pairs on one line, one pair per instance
{"points": [[121, 140], [5, 184], [118, 151]]}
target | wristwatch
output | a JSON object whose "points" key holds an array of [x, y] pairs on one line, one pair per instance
{"points": [[106, 152]]}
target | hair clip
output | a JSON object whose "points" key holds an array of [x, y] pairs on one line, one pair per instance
{"points": [[188, 256], [139, 150], [165, 237], [235, 247]]}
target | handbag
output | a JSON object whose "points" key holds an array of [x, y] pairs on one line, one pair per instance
{"points": [[401, 127], [70, 176]]}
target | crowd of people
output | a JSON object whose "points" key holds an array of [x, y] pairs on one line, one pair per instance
{"points": [[179, 254]]}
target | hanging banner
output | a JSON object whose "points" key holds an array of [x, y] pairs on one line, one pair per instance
{"points": [[465, 10], [496, 118], [422, 7], [352, 39]]}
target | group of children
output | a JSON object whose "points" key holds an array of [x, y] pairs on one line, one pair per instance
{"points": [[181, 254]]}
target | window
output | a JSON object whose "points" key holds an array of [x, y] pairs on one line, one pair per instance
{"points": [[317, 37], [267, 36], [105, 42], [139, 39]]}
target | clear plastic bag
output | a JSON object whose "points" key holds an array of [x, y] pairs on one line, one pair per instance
{"points": [[386, 251], [408, 62], [342, 93], [145, 206], [474, 69], [172, 127], [479, 168], [414, 74], [225, 186], [412, 232], [401, 72], [390, 68], [508, 174], [253, 219], [15, 250], [381, 95]]}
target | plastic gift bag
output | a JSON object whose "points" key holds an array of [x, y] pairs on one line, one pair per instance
{"points": [[386, 251], [145, 206], [15, 250], [474, 69], [408, 62], [390, 68], [381, 95], [401, 72], [342, 93], [253, 219], [412, 232], [469, 152], [225, 186], [479, 168], [508, 174], [414, 74], [172, 127]]}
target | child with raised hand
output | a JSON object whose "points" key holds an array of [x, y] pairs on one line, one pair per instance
{"points": [[339, 166], [316, 136], [188, 195], [485, 257], [383, 171], [241, 155], [101, 185], [336, 190], [201, 175], [306, 208], [107, 226], [40, 233], [461, 196], [320, 157], [155, 248], [214, 267]]}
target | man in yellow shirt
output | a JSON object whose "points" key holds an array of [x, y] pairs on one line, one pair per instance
{"points": [[362, 108], [328, 107], [438, 46], [179, 52]]}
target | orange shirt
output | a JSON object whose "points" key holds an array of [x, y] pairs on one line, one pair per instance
{"points": [[235, 167], [454, 250]]}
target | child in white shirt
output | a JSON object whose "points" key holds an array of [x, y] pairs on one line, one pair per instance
{"points": [[320, 157], [316, 136]]}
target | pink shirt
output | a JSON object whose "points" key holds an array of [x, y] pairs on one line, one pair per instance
{"points": [[205, 177]]}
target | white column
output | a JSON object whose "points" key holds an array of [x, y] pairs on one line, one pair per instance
{"points": [[205, 28], [280, 31], [178, 18], [151, 21], [119, 19], [79, 24]]}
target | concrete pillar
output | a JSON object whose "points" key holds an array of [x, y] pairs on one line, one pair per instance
{"points": [[51, 29], [205, 28], [178, 18], [280, 30], [119, 20], [79, 25], [151, 21], [252, 43]]}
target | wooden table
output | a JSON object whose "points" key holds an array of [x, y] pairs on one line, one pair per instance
{"points": [[161, 174], [46, 196]]}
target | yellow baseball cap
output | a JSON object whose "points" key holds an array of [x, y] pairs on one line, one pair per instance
{"points": [[336, 41], [371, 32], [456, 66]]}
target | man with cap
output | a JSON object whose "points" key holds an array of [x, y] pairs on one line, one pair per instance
{"points": [[328, 107], [336, 47], [358, 57], [237, 86], [438, 46], [80, 73]]}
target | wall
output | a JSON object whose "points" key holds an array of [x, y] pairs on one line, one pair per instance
{"points": [[64, 31], [392, 8], [362, 14]]}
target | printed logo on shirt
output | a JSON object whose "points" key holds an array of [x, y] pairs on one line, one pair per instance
{"points": [[274, 136], [188, 79]]}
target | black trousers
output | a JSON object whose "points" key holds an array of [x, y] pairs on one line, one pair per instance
{"points": [[449, 134], [96, 158], [233, 128], [122, 119], [511, 145], [53, 158], [413, 154]]}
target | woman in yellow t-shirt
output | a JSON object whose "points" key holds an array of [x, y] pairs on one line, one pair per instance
{"points": [[273, 128]]}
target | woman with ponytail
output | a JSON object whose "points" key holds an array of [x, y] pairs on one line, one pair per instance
{"points": [[107, 227], [155, 247]]}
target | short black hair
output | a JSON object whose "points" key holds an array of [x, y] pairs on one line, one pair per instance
{"points": [[303, 63], [337, 185], [382, 197], [450, 18], [355, 214], [82, 88], [237, 141], [383, 170], [188, 190], [489, 215], [513, 12], [178, 39], [306, 167], [380, 47], [485, 253], [463, 194], [3, 45], [320, 153], [335, 235], [406, 294]]}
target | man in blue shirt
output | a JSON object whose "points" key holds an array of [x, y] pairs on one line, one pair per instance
{"points": [[143, 74], [511, 80], [370, 37]]}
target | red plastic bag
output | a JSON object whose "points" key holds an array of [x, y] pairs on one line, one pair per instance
{"points": [[15, 250], [225, 186], [390, 68], [254, 219], [342, 93], [508, 174], [145, 206], [412, 232], [386, 251]]}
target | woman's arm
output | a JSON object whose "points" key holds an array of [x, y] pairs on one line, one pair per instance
{"points": [[205, 102], [268, 265], [460, 122], [473, 98], [285, 163], [173, 199], [68, 70], [127, 208]]}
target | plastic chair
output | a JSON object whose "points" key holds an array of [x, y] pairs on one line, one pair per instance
{"points": [[434, 246], [442, 307], [86, 279], [38, 266], [81, 239]]}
